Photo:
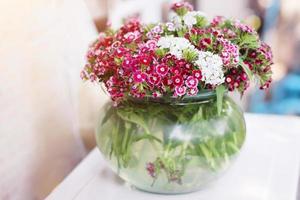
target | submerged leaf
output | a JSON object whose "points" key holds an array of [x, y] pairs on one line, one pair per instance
{"points": [[220, 90], [134, 118]]}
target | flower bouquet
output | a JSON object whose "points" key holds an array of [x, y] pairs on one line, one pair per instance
{"points": [[171, 127]]}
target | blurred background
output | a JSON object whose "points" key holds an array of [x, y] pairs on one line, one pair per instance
{"points": [[47, 115]]}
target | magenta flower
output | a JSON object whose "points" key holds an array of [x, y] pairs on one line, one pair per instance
{"points": [[177, 80], [244, 76], [145, 59], [139, 77], [180, 91], [191, 82], [156, 94], [175, 70], [162, 69], [127, 63]]}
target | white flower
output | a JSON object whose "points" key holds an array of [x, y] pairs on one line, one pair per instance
{"points": [[211, 66], [176, 52], [190, 18], [165, 42], [177, 21], [170, 26], [176, 45]]}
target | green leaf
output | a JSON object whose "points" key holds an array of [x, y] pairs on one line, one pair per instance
{"points": [[246, 69], [201, 21], [160, 52], [108, 115], [147, 136], [249, 40], [134, 118], [220, 90], [118, 61], [189, 55], [233, 146]]}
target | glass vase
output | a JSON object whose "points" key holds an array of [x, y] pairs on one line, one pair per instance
{"points": [[173, 145]]}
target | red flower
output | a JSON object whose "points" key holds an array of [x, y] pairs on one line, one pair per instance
{"points": [[167, 81], [197, 74], [204, 42], [162, 69], [175, 70], [139, 77], [177, 80], [154, 79]]}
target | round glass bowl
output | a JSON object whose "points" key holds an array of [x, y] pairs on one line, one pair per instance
{"points": [[171, 146]]}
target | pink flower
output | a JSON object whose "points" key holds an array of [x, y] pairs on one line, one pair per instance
{"points": [[243, 27], [154, 79], [180, 91], [177, 80], [193, 91], [93, 77], [170, 26], [157, 29], [151, 44], [182, 5], [228, 79], [217, 20], [150, 167], [162, 69], [83, 75], [191, 82], [139, 77], [188, 66], [197, 74], [132, 36], [129, 37]]}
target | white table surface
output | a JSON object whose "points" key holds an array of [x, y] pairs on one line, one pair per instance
{"points": [[267, 169]]}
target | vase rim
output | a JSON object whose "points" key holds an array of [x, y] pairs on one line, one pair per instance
{"points": [[201, 97]]}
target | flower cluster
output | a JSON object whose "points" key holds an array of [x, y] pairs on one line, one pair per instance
{"points": [[178, 58]]}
